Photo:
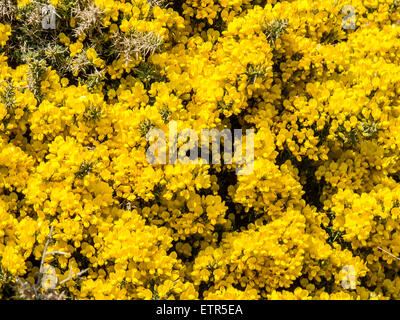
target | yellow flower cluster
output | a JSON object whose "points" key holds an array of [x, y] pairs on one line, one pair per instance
{"points": [[320, 89], [5, 31]]}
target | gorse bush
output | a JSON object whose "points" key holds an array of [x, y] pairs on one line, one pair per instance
{"points": [[78, 100]]}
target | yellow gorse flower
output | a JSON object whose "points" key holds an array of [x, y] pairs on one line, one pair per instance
{"points": [[321, 94]]}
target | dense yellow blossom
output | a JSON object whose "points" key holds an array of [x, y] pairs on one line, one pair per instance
{"points": [[322, 198]]}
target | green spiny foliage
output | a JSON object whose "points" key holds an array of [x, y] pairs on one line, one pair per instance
{"points": [[6, 283], [7, 96], [92, 113], [84, 169], [37, 69], [275, 29], [369, 129], [165, 112], [145, 126], [88, 17], [8, 10], [157, 3], [148, 73], [94, 80], [255, 71]]}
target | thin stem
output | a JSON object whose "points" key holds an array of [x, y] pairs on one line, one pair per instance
{"points": [[58, 252], [73, 276], [389, 253], [44, 255]]}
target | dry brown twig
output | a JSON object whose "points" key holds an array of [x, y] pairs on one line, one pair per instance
{"points": [[8, 10], [34, 292], [389, 253], [26, 292]]}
